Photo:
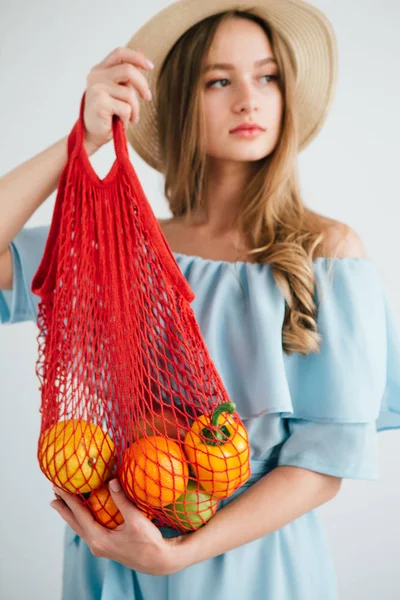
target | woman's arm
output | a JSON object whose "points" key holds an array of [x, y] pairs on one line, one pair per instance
{"points": [[279, 497], [28, 185]]}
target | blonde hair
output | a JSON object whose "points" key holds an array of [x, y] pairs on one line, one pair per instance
{"points": [[272, 218]]}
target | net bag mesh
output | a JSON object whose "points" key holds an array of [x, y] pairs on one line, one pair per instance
{"points": [[128, 388]]}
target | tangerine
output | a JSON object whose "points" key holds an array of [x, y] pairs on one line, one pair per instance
{"points": [[76, 455], [104, 509], [161, 420], [154, 470]]}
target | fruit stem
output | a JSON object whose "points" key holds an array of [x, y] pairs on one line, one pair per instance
{"points": [[217, 438]]}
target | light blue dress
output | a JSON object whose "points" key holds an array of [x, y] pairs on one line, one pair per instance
{"points": [[319, 412]]}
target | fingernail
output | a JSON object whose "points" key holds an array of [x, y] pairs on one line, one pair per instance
{"points": [[54, 504], [114, 485], [149, 95], [149, 64]]}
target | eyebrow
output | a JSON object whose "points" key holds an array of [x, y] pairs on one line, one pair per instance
{"points": [[229, 67]]}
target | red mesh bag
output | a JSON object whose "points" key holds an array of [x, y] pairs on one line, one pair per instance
{"points": [[128, 388]]}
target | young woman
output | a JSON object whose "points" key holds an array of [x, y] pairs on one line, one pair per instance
{"points": [[293, 313]]}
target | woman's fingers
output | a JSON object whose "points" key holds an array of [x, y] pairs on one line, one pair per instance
{"points": [[126, 94], [124, 55], [128, 74], [124, 112], [114, 86]]}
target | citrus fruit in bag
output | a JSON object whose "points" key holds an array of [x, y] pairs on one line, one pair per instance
{"points": [[154, 470], [193, 509], [76, 455], [218, 450], [163, 421], [104, 509]]}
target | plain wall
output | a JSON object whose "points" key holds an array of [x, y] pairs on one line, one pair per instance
{"points": [[350, 173]]}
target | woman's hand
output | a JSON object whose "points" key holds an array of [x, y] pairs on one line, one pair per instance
{"points": [[113, 88], [136, 544]]}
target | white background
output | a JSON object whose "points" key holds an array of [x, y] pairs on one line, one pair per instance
{"points": [[350, 172]]}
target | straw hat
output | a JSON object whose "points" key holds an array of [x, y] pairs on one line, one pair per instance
{"points": [[308, 34]]}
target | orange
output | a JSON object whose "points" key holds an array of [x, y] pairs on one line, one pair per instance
{"points": [[163, 421], [76, 455], [154, 471], [104, 508]]}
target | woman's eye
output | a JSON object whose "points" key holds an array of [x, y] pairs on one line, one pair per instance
{"points": [[211, 83], [270, 77]]}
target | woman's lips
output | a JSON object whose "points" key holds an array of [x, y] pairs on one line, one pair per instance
{"points": [[248, 133]]}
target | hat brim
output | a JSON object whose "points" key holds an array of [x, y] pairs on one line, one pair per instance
{"points": [[308, 33]]}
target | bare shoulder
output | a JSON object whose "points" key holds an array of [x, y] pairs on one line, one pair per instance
{"points": [[172, 233], [341, 241], [173, 230], [168, 227], [165, 222]]}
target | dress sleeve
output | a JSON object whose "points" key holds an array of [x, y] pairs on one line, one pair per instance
{"points": [[27, 248], [349, 391]]}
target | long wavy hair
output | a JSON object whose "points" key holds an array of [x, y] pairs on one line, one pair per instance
{"points": [[272, 218]]}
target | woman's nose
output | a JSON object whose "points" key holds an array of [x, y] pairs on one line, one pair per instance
{"points": [[245, 98]]}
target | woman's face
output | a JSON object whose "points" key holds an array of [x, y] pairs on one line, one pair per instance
{"points": [[243, 93]]}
